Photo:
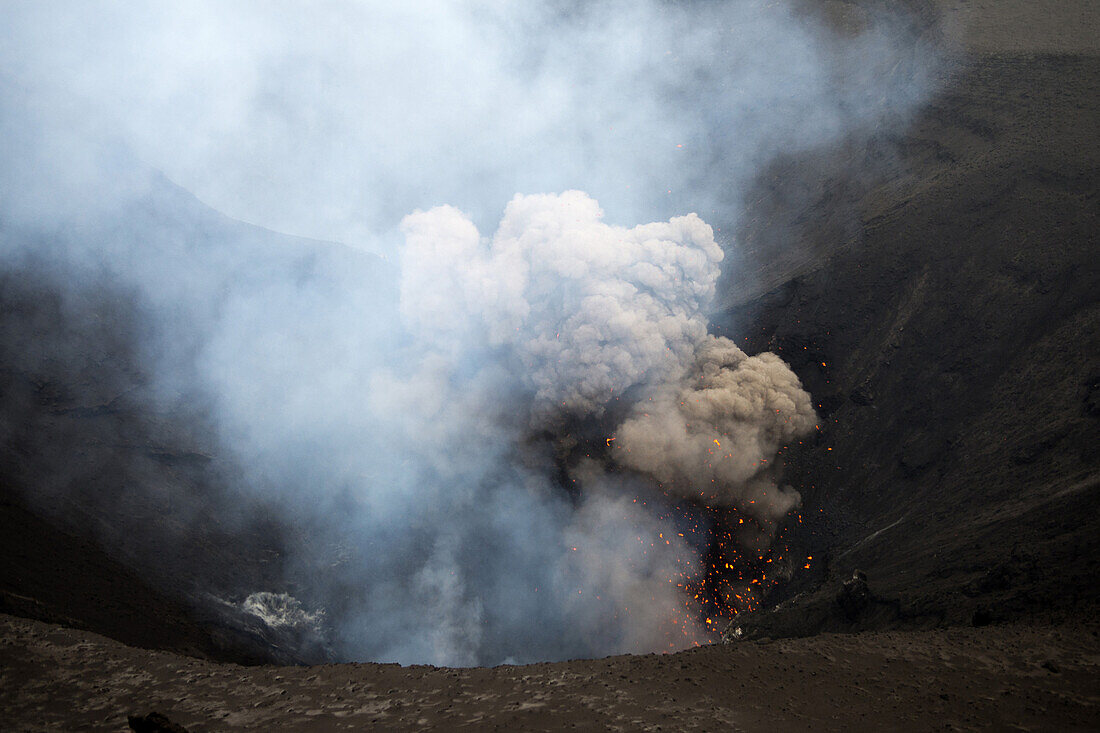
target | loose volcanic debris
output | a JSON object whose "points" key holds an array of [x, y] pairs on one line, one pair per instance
{"points": [[1027, 676]]}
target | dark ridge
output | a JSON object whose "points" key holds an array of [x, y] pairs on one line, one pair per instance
{"points": [[951, 344]]}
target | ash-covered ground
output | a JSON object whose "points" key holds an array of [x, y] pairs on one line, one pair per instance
{"points": [[933, 286]]}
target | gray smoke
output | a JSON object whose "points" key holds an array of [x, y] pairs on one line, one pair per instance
{"points": [[714, 433], [589, 309], [478, 448], [544, 324]]}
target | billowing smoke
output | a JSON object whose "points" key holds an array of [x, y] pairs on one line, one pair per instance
{"points": [[583, 313], [715, 432], [587, 309], [511, 447], [553, 330]]}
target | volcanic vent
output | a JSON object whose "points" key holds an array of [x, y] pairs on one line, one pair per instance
{"points": [[566, 353]]}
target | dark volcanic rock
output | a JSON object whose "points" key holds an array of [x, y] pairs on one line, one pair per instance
{"points": [[982, 617], [153, 723], [951, 343], [1092, 397], [854, 596]]}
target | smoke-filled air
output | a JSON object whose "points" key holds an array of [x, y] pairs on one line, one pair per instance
{"points": [[471, 377]]}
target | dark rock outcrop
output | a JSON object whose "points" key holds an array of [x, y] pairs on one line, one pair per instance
{"points": [[153, 723]]}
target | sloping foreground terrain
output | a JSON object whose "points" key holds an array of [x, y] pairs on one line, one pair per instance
{"points": [[1010, 677]]}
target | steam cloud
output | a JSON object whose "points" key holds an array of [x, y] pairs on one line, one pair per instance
{"points": [[560, 313], [589, 309], [482, 448], [586, 311]]}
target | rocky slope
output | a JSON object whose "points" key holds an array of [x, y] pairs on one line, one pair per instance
{"points": [[951, 340]]}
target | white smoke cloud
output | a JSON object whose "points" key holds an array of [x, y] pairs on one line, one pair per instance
{"points": [[440, 590], [588, 309], [622, 557], [279, 610], [426, 459], [559, 313], [334, 119]]}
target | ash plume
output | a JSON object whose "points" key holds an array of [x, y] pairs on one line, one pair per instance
{"points": [[560, 319], [714, 433], [483, 452], [587, 309]]}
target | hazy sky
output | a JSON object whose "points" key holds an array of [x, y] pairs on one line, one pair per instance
{"points": [[335, 119]]}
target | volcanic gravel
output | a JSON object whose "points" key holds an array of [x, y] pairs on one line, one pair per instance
{"points": [[1025, 678]]}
